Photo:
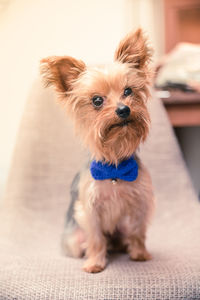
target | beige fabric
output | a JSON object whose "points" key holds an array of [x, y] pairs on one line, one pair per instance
{"points": [[32, 217]]}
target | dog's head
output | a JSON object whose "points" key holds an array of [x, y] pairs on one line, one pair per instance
{"points": [[107, 103]]}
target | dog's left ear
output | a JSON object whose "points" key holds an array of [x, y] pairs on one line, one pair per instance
{"points": [[133, 50], [61, 71]]}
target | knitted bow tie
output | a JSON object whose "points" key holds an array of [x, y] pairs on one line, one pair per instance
{"points": [[127, 170]]}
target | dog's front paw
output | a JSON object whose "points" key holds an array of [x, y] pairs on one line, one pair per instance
{"points": [[140, 255], [92, 267]]}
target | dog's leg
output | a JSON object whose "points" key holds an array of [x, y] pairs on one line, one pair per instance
{"points": [[133, 237], [136, 247], [87, 216], [73, 241], [95, 252]]}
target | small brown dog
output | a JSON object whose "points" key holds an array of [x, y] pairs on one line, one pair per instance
{"points": [[112, 198]]}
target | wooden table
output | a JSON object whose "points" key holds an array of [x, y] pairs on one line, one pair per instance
{"points": [[183, 108]]}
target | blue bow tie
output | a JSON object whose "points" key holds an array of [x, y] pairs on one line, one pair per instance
{"points": [[127, 170]]}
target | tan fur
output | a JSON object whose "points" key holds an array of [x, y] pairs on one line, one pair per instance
{"points": [[102, 208]]}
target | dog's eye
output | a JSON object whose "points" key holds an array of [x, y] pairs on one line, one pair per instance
{"points": [[97, 101], [127, 92]]}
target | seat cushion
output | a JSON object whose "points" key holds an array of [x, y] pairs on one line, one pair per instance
{"points": [[46, 157]]}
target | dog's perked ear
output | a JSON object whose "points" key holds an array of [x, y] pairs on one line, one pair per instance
{"points": [[61, 71], [133, 50]]}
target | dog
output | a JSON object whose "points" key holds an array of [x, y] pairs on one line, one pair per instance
{"points": [[112, 196]]}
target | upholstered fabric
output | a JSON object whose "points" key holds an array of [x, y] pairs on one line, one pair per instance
{"points": [[45, 159]]}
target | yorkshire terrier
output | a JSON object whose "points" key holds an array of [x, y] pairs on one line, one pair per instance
{"points": [[111, 197]]}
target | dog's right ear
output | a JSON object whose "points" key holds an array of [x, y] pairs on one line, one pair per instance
{"points": [[61, 71], [134, 50]]}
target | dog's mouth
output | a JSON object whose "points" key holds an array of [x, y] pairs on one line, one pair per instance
{"points": [[121, 124]]}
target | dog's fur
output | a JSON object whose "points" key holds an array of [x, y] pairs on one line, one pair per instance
{"points": [[103, 215]]}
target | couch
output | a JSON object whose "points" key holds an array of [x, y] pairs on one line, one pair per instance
{"points": [[32, 216]]}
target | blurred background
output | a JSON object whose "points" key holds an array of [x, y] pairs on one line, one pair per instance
{"points": [[90, 30]]}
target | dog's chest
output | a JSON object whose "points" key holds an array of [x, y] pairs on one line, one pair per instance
{"points": [[109, 190], [113, 201]]}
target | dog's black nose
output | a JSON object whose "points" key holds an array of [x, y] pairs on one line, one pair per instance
{"points": [[123, 111]]}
